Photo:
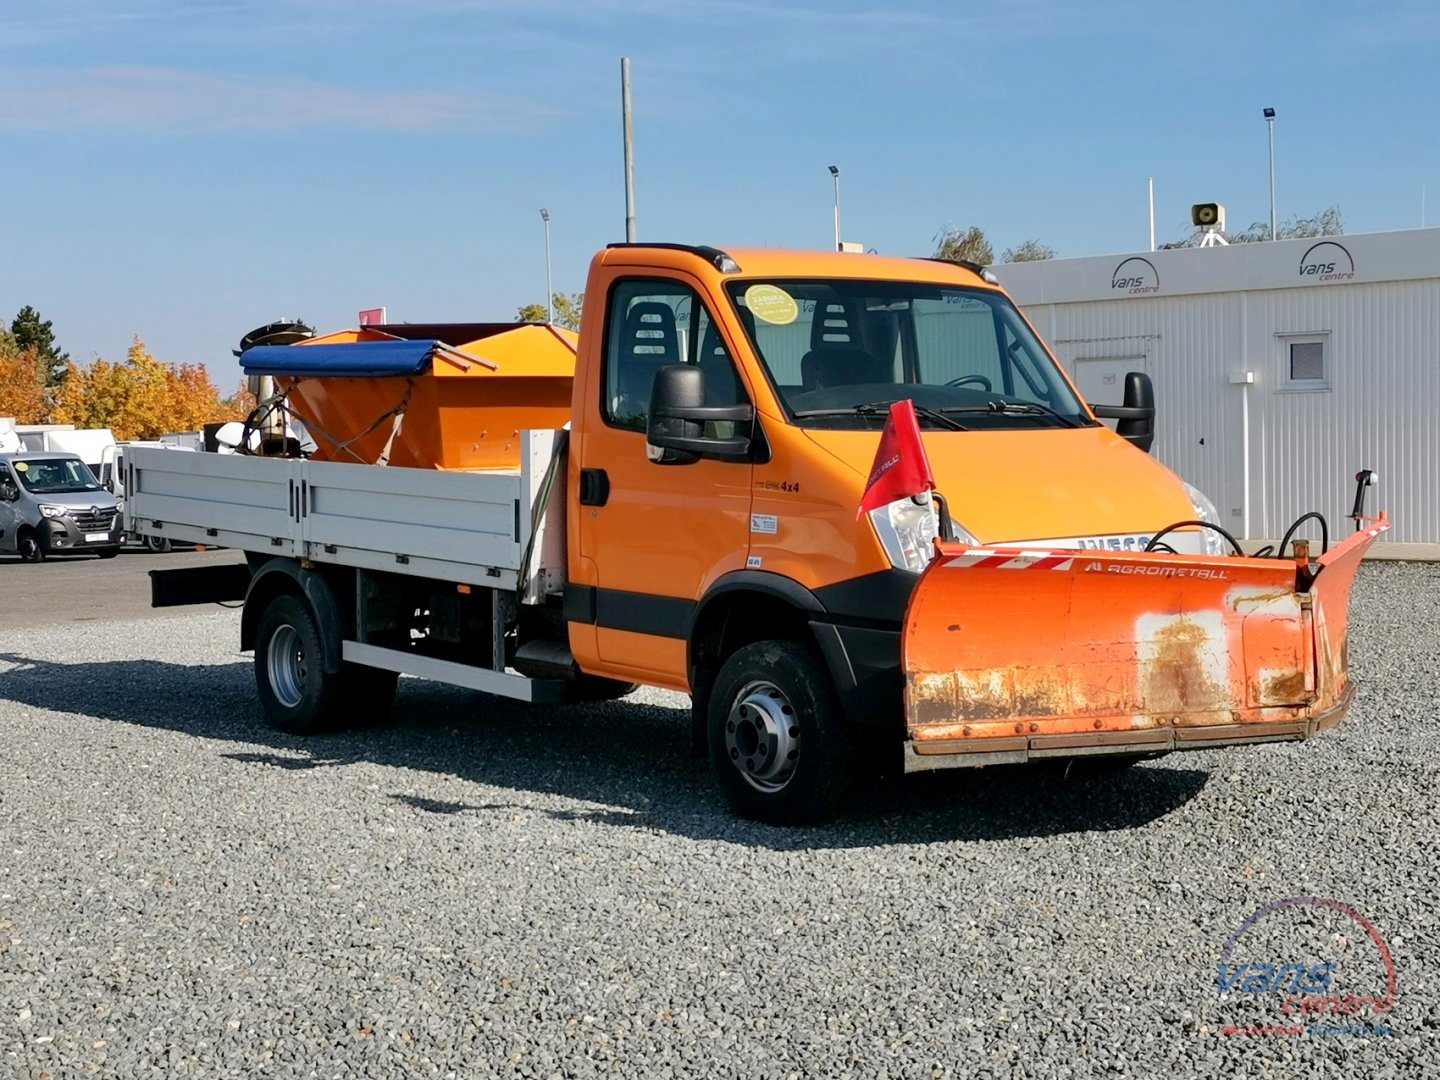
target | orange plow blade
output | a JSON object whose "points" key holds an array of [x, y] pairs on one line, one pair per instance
{"points": [[1011, 654]]}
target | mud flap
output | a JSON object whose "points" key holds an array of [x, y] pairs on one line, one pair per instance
{"points": [[1012, 654]]}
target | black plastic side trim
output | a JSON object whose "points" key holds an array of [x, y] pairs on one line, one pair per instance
{"points": [[578, 604], [642, 613], [639, 613], [877, 601], [870, 660], [776, 585]]}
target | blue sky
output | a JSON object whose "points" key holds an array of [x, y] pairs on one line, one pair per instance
{"points": [[187, 170]]}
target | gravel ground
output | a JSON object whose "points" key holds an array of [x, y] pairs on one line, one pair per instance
{"points": [[488, 889]]}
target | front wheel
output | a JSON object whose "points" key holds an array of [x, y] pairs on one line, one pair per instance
{"points": [[29, 547], [158, 544], [778, 742]]}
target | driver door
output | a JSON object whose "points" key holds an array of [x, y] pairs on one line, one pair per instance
{"points": [[655, 535]]}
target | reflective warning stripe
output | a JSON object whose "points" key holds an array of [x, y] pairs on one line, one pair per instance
{"points": [[1012, 560]]}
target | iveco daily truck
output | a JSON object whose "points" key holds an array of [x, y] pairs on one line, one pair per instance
{"points": [[672, 498]]}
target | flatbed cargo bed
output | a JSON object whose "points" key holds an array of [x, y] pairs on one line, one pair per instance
{"points": [[470, 527]]}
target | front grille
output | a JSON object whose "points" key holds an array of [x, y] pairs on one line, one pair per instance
{"points": [[92, 519]]}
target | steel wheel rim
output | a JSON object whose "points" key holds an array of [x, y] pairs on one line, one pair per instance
{"points": [[762, 737], [287, 666]]}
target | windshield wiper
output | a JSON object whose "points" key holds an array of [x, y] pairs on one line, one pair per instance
{"points": [[1013, 408], [879, 408]]}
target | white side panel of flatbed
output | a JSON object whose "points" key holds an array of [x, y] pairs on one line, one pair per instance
{"points": [[220, 499], [461, 521], [456, 526]]}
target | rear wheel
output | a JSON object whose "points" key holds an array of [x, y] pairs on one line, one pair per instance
{"points": [[778, 741], [158, 544], [28, 545], [295, 691]]}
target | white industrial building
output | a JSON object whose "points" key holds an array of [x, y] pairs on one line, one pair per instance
{"points": [[1280, 369]]}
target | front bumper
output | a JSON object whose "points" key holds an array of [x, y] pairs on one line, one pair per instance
{"points": [[86, 534]]}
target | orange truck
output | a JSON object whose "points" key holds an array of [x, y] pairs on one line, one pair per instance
{"points": [[670, 498]]}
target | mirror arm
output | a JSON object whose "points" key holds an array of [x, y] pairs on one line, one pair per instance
{"points": [[1122, 412]]}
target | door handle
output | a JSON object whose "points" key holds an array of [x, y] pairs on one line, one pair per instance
{"points": [[594, 487]]}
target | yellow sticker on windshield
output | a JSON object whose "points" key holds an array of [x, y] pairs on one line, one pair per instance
{"points": [[22, 466], [772, 304]]}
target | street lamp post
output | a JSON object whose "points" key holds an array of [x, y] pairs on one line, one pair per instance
{"points": [[549, 291], [1270, 123], [835, 175]]}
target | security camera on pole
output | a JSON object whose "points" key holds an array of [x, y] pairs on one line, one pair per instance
{"points": [[1209, 217]]}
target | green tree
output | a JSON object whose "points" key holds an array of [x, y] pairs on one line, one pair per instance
{"points": [[963, 245], [568, 308], [1027, 251], [33, 332]]}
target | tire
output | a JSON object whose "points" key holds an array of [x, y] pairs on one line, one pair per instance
{"points": [[160, 545], [108, 553], [29, 547], [779, 746], [295, 693]]}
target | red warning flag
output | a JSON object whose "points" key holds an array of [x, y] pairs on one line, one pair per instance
{"points": [[901, 467]]}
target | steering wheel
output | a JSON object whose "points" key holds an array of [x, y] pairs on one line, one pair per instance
{"points": [[980, 380]]}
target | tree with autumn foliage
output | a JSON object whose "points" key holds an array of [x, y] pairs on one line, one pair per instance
{"points": [[143, 397], [22, 381]]}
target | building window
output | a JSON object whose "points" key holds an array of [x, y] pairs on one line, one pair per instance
{"points": [[1306, 361]]}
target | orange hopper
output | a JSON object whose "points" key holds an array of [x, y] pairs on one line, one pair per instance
{"points": [[439, 396]]}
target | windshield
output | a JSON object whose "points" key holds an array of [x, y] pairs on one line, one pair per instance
{"points": [[55, 476], [839, 351]]}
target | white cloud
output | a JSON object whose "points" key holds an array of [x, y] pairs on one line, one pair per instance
{"points": [[168, 100]]}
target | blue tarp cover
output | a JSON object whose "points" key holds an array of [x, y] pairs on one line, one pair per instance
{"points": [[372, 358]]}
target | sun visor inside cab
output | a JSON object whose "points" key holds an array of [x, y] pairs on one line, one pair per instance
{"points": [[342, 359]]}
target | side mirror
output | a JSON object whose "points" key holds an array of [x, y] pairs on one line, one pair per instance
{"points": [[675, 431], [1137, 415]]}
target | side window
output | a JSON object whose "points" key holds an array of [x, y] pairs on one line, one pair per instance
{"points": [[651, 324], [1306, 361], [8, 488]]}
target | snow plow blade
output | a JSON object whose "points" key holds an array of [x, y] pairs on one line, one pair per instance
{"points": [[1014, 654]]}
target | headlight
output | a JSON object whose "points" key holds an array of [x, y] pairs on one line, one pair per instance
{"points": [[907, 529], [53, 511], [1214, 543]]}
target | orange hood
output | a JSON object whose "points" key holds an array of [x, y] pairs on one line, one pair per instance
{"points": [[1028, 484]]}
